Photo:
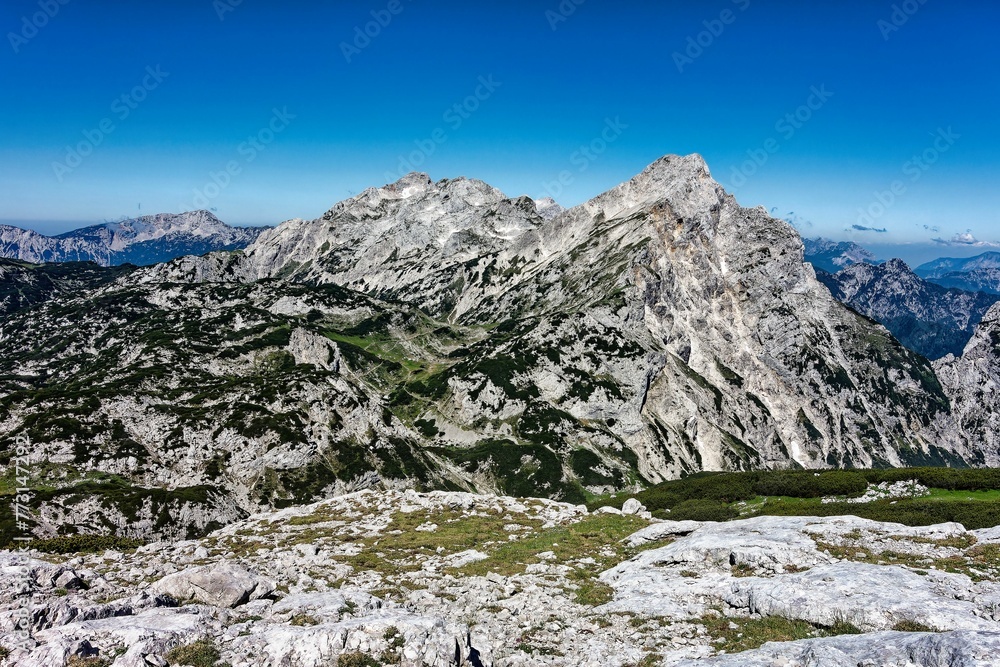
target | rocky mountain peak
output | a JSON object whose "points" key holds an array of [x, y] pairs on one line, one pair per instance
{"points": [[833, 256], [988, 334], [548, 208], [411, 184], [414, 195], [685, 180]]}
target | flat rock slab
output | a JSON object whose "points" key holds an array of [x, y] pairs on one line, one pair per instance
{"points": [[885, 649], [869, 597]]}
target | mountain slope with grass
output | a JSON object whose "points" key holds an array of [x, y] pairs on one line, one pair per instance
{"points": [[440, 579], [440, 335]]}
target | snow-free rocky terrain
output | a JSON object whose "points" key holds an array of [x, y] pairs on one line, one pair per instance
{"points": [[980, 273], [144, 240], [440, 335], [834, 256], [441, 579], [928, 318]]}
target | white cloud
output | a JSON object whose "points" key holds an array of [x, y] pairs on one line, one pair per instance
{"points": [[967, 238]]}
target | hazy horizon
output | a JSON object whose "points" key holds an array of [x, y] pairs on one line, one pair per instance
{"points": [[914, 254]]}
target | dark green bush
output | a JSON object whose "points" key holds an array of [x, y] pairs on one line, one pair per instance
{"points": [[808, 484], [726, 488], [719, 489], [916, 512], [356, 659], [702, 510], [735, 487]]}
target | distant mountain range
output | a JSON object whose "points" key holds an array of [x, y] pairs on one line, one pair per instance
{"points": [[832, 256], [141, 241], [927, 318], [933, 310], [980, 273]]}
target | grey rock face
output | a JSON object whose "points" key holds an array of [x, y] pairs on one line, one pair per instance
{"points": [[973, 380], [548, 208], [955, 649]]}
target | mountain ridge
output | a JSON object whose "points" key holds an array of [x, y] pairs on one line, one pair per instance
{"points": [[442, 335], [945, 266], [144, 240], [928, 318], [834, 256]]}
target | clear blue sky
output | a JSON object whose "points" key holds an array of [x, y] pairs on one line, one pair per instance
{"points": [[880, 95]]}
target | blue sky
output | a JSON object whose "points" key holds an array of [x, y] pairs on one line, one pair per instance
{"points": [[258, 110]]}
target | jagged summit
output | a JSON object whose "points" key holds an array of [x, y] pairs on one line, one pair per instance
{"points": [[666, 178], [412, 193], [833, 256], [413, 183], [548, 208]]}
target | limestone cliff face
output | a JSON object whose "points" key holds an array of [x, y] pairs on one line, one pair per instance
{"points": [[973, 382]]}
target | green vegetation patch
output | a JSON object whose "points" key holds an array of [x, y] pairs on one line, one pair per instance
{"points": [[963, 495], [530, 470], [746, 634], [201, 653]]}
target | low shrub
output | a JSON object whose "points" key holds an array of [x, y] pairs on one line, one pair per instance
{"points": [[202, 653], [702, 510], [356, 659]]}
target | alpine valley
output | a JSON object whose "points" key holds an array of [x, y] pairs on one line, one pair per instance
{"points": [[443, 336]]}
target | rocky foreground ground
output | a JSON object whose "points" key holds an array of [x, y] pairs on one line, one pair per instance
{"points": [[403, 578]]}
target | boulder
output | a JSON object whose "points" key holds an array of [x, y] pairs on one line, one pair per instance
{"points": [[632, 506], [219, 585]]}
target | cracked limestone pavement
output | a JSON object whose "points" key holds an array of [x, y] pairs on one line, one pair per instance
{"points": [[448, 578]]}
